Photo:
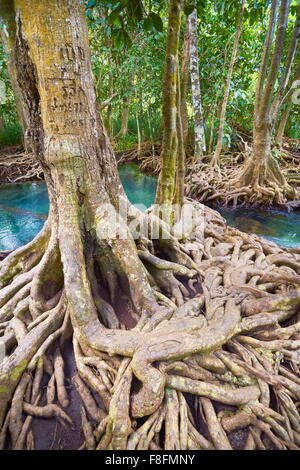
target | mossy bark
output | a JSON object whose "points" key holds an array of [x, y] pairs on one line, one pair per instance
{"points": [[166, 183], [79, 166], [185, 84]]}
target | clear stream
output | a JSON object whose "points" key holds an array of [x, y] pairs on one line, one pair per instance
{"points": [[24, 208]]}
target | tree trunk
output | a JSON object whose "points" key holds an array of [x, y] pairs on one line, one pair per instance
{"points": [[262, 169], [199, 139], [166, 182], [125, 117], [180, 173], [108, 120], [81, 173], [237, 35], [282, 125], [184, 84], [287, 102], [2, 126]]}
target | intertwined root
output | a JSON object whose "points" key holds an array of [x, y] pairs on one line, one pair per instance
{"points": [[205, 363], [237, 181], [20, 167]]}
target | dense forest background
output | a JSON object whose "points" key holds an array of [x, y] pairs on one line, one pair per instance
{"points": [[127, 42]]}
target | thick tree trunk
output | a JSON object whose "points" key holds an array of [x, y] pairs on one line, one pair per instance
{"points": [[199, 139], [237, 35], [166, 187], [79, 166]]}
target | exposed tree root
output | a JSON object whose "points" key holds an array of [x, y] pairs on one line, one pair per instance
{"points": [[233, 344], [19, 167], [236, 182]]}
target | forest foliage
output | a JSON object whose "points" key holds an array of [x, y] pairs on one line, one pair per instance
{"points": [[127, 40]]}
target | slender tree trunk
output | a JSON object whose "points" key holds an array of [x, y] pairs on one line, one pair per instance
{"points": [[68, 282], [138, 134], [237, 35], [125, 117], [199, 141], [2, 126], [125, 110], [108, 121], [180, 174], [184, 84], [264, 118], [282, 125], [166, 182], [287, 102]]}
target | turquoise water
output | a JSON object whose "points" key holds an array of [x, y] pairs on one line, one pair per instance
{"points": [[24, 208], [279, 227]]}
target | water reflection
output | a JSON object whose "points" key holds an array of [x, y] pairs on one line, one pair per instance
{"points": [[280, 227], [24, 206]]}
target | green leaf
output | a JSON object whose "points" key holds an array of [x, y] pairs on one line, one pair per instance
{"points": [[147, 24], [188, 9], [157, 21]]}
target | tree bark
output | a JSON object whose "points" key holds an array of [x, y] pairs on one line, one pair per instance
{"points": [[282, 125], [80, 170], [288, 67], [166, 182], [184, 84], [2, 126], [287, 103], [199, 140], [68, 282], [125, 117], [108, 120], [237, 35], [180, 173]]}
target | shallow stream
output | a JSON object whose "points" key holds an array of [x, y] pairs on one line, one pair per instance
{"points": [[24, 208]]}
